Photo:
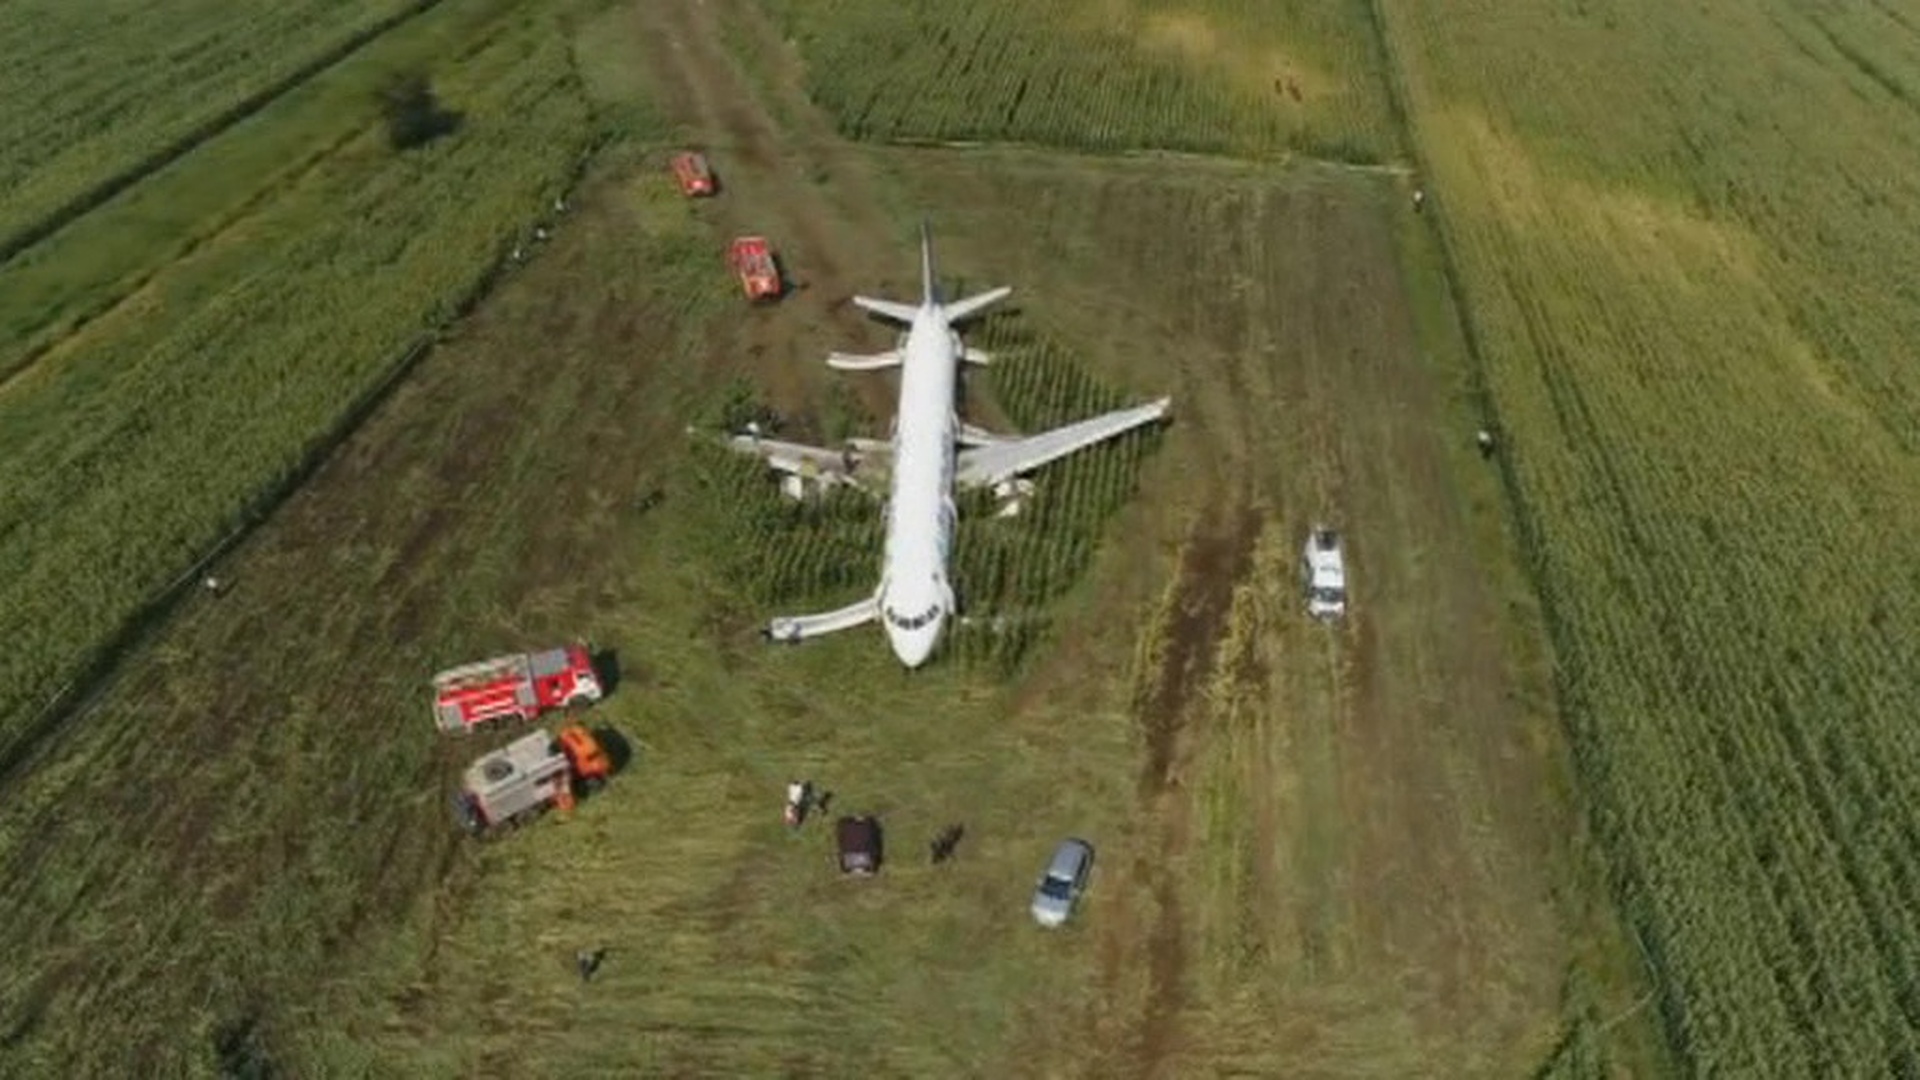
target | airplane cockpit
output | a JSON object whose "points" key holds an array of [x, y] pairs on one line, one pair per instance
{"points": [[911, 622]]}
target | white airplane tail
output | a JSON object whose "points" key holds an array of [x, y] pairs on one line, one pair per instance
{"points": [[955, 312]]}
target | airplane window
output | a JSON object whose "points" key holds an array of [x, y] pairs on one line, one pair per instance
{"points": [[915, 622]]}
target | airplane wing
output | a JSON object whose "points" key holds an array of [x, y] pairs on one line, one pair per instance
{"points": [[796, 627], [993, 462], [811, 462]]}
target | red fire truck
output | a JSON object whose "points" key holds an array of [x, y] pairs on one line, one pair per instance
{"points": [[521, 686], [694, 174], [752, 258]]}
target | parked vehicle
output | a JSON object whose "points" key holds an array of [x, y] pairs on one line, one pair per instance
{"points": [[1324, 566], [1065, 879], [752, 259], [521, 687], [859, 842], [528, 776], [693, 173]]}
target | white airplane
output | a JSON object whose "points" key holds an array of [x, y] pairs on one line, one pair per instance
{"points": [[915, 598]]}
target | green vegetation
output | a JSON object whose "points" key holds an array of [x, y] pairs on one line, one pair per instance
{"points": [[138, 442], [95, 94], [778, 553], [1684, 237], [1250, 77], [260, 804]]}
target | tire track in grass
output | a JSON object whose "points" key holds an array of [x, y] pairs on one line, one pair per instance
{"points": [[1217, 555]]}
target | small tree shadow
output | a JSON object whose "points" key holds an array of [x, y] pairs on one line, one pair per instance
{"points": [[413, 114]]}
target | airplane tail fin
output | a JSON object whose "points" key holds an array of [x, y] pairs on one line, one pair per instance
{"points": [[929, 291]]}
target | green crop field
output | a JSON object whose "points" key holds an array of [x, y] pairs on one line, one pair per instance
{"points": [[1249, 77], [93, 92], [135, 442], [238, 858], [1635, 799], [1684, 237]]}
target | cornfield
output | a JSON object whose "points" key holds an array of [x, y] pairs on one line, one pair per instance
{"points": [[132, 451], [777, 553], [97, 94], [1254, 78], [1683, 235]]}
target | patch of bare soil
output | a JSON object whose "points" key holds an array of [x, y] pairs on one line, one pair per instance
{"points": [[1217, 555], [1216, 558]]}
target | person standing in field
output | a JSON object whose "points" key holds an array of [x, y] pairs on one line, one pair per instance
{"points": [[797, 792]]}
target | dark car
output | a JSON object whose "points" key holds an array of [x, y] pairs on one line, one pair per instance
{"points": [[859, 841]]}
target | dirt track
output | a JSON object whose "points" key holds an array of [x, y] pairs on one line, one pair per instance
{"points": [[832, 239]]}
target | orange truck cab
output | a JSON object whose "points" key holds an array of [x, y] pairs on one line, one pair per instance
{"points": [[589, 760]]}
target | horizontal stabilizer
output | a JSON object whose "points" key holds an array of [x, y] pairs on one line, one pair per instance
{"points": [[864, 362], [891, 309], [975, 356], [960, 310]]}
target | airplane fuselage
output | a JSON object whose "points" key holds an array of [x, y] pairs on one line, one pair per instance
{"points": [[915, 595]]}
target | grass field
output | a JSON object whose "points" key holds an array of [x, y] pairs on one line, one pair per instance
{"points": [[1680, 235], [133, 442], [1320, 852]]}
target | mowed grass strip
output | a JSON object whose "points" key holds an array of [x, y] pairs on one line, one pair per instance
{"points": [[1681, 233], [1225, 76], [127, 455]]}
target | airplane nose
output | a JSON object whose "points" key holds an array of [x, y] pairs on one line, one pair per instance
{"points": [[913, 647]]}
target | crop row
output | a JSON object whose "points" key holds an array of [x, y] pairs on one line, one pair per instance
{"points": [[124, 460], [1235, 76], [1685, 330], [826, 551], [93, 91]]}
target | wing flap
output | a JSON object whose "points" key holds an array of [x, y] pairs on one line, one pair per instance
{"points": [[861, 464], [993, 462]]}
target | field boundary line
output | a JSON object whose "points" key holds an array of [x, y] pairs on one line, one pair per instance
{"points": [[1144, 153], [98, 669], [29, 236]]}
